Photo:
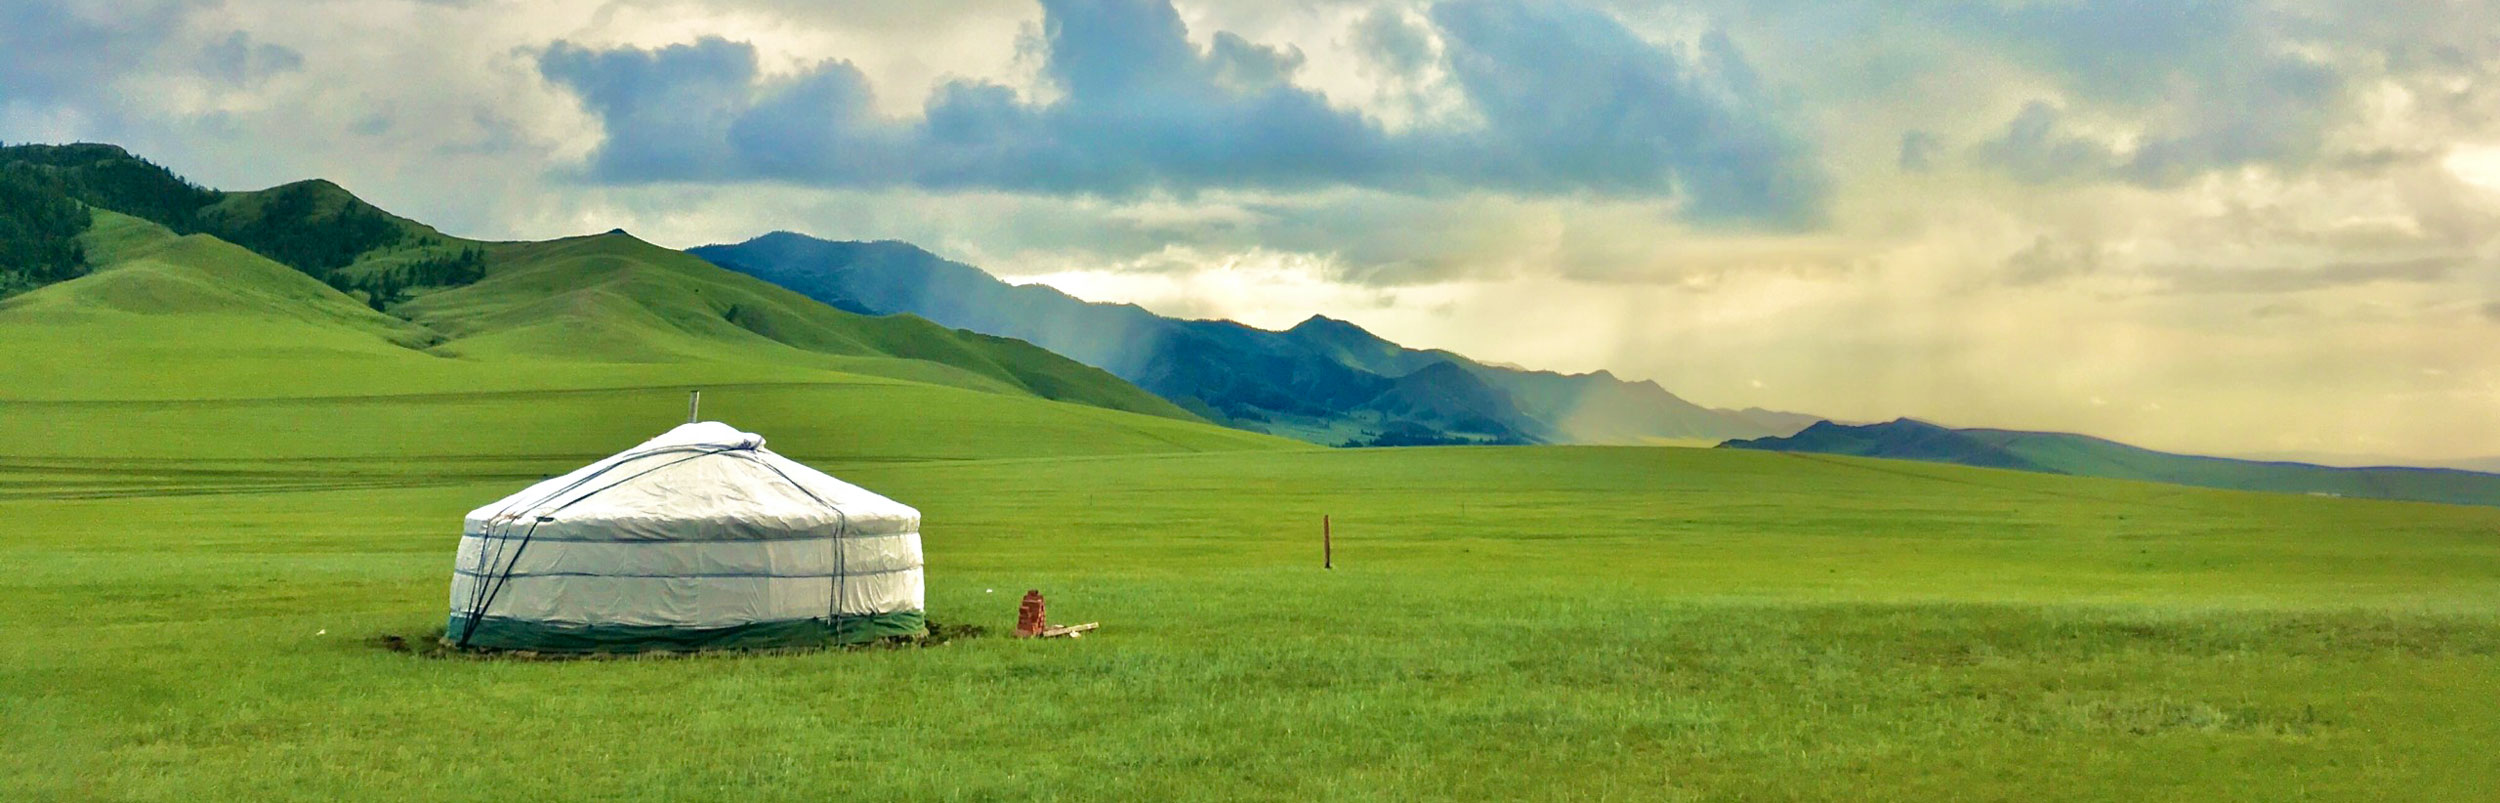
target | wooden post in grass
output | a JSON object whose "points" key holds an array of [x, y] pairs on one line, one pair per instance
{"points": [[1327, 545], [694, 405]]}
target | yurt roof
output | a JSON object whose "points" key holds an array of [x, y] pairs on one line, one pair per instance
{"points": [[703, 481]]}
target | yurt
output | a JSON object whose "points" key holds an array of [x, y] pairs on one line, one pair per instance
{"points": [[700, 538]]}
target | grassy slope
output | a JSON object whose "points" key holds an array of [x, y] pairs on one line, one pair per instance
{"points": [[1530, 623], [145, 270], [418, 240], [2079, 454], [122, 361], [594, 299], [1901, 439], [612, 298], [162, 305], [331, 199]]}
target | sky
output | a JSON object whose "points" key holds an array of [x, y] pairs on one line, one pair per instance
{"points": [[2219, 227]]}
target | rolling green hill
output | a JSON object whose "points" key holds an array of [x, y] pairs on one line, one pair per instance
{"points": [[181, 316], [145, 269], [2080, 455], [613, 298], [281, 268], [313, 226]]}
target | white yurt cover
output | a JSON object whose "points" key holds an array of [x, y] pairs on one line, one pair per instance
{"points": [[700, 538]]}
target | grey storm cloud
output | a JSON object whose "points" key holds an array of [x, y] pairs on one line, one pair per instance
{"points": [[1142, 109], [240, 61], [2214, 84], [49, 50], [2034, 148], [2048, 260], [1919, 150], [1395, 44], [2116, 49]]}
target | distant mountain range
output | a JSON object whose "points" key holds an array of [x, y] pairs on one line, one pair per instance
{"points": [[2061, 453], [2486, 465], [1323, 380]]}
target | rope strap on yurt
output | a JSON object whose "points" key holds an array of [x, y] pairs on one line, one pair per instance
{"points": [[841, 556], [482, 594]]}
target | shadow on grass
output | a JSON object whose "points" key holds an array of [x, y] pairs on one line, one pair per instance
{"points": [[434, 644]]}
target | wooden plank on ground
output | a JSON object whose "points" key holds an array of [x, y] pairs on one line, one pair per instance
{"points": [[1070, 631]]}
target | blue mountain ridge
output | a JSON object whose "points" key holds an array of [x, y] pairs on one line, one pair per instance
{"points": [[2083, 455], [1323, 380]]}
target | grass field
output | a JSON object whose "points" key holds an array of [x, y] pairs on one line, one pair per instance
{"points": [[1530, 623]]}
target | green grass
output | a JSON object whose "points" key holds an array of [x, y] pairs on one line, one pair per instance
{"points": [[1541, 623]]}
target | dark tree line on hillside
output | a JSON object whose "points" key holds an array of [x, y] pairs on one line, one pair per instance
{"points": [[109, 177], [1408, 433], [312, 227], [39, 228], [291, 229], [386, 287]]}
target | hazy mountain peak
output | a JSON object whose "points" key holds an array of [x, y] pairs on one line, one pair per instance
{"points": [[1318, 379], [2066, 453], [1335, 329], [783, 238]]}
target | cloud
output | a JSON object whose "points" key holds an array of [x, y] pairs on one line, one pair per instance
{"points": [[1395, 44], [2035, 149], [1141, 109], [1616, 113], [2203, 85], [2048, 260], [2119, 50], [1244, 67], [2313, 277], [668, 110], [239, 61], [2276, 112], [1919, 150], [51, 50]]}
